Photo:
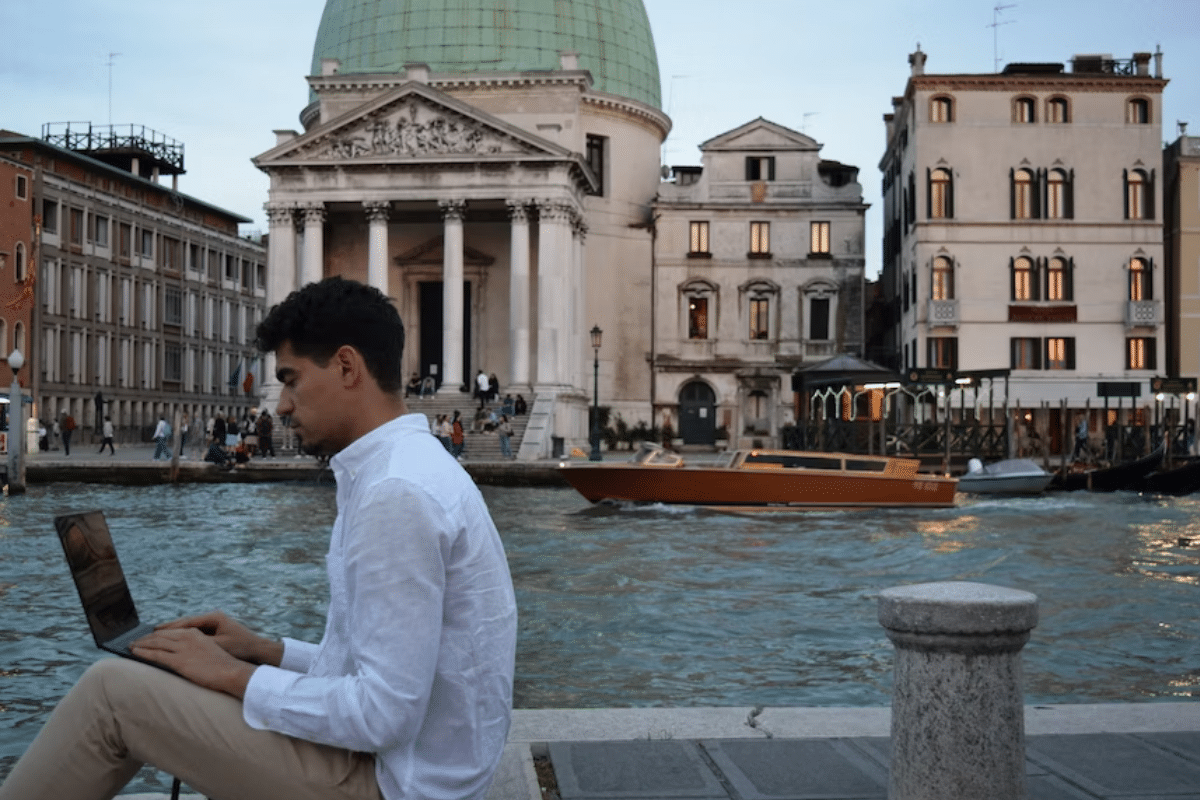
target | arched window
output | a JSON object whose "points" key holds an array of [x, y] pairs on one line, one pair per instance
{"points": [[1059, 195], [941, 194], [1139, 194], [1058, 110], [19, 262], [943, 279], [4, 351], [1024, 194], [759, 296], [699, 305], [819, 306], [1024, 279], [1058, 279], [1024, 110], [1137, 111], [19, 337], [941, 109], [1141, 285]]}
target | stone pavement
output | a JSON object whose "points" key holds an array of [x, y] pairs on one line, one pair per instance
{"points": [[1135, 751]]}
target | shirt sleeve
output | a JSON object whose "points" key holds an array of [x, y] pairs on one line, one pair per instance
{"points": [[396, 543]]}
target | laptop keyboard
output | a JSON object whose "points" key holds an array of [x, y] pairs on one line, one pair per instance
{"points": [[120, 644]]}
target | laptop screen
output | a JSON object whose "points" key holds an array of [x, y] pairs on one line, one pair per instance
{"points": [[97, 573]]}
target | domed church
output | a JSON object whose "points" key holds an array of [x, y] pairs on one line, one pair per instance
{"points": [[491, 165]]}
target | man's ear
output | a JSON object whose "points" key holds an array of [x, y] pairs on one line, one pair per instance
{"points": [[351, 364]]}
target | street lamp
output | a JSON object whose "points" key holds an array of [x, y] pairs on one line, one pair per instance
{"points": [[16, 454], [595, 455]]}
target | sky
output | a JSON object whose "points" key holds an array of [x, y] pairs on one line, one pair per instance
{"points": [[222, 75]]}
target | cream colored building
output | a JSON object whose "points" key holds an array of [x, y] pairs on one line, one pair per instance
{"points": [[520, 166], [758, 270], [1181, 207], [1023, 225]]}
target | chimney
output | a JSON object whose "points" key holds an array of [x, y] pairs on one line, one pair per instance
{"points": [[1157, 61], [917, 61], [1142, 61]]}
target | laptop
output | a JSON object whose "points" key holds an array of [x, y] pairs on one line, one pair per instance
{"points": [[101, 583]]}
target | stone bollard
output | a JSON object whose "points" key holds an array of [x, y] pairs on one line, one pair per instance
{"points": [[958, 712]]}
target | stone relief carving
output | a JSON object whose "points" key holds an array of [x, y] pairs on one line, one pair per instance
{"points": [[414, 129]]}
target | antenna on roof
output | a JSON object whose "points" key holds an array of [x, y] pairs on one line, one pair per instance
{"points": [[995, 26], [111, 61], [804, 124]]}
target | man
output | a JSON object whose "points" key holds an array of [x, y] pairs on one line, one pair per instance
{"points": [[107, 441], [68, 428], [408, 695], [162, 439]]}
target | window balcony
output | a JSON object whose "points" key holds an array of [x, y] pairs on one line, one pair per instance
{"points": [[943, 314], [1143, 314], [818, 348]]}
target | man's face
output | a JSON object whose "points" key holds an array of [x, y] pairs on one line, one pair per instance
{"points": [[312, 397]]}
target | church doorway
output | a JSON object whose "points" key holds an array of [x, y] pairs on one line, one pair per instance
{"points": [[430, 333], [697, 413]]}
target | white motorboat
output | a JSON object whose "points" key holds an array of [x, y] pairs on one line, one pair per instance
{"points": [[1010, 476]]}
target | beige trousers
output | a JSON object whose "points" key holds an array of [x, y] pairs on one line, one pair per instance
{"points": [[123, 714]]}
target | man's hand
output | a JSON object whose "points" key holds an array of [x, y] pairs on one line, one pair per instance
{"points": [[233, 637], [196, 656]]}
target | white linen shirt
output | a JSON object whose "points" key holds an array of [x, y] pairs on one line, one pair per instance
{"points": [[416, 663]]}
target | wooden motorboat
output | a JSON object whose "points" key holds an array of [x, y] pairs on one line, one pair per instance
{"points": [[1009, 476], [1183, 477], [1128, 475], [764, 480]]}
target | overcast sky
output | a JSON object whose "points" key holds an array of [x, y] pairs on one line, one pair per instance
{"points": [[220, 76]]}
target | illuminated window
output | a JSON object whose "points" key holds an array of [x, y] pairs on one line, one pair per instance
{"points": [[699, 238], [1025, 353], [1024, 196], [1024, 285], [1060, 353], [943, 279], [1137, 111], [1140, 286], [1058, 195], [941, 109], [942, 352], [1058, 279], [941, 194], [1140, 353], [819, 237], [1138, 195], [698, 318], [760, 238], [760, 318]]}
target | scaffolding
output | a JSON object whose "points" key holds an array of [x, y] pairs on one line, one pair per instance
{"points": [[133, 148]]}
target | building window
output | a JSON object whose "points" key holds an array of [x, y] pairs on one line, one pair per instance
{"points": [[22, 188], [146, 243], [1024, 194], [760, 238], [76, 232], [943, 279], [1139, 194], [818, 238], [1060, 195], [1025, 353], [760, 318], [760, 168], [1024, 110], [124, 239], [941, 194], [50, 216], [1140, 353], [1141, 287], [818, 318], [1060, 353], [698, 318], [1058, 110], [98, 230], [942, 352], [172, 307], [172, 362], [1058, 280], [1137, 111], [698, 244], [1024, 280], [596, 147], [19, 262], [941, 109]]}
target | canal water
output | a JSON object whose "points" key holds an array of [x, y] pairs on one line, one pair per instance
{"points": [[647, 605]]}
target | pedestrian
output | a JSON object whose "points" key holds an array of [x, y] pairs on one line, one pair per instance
{"points": [[68, 427], [519, 406], [456, 436], [107, 441], [1081, 438], [493, 387], [266, 430], [481, 388], [218, 430], [162, 439], [504, 430], [232, 437], [409, 693]]}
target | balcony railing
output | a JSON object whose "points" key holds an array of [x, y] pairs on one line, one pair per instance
{"points": [[1143, 314], [943, 313]]}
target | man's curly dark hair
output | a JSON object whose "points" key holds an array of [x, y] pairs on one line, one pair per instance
{"points": [[321, 317]]}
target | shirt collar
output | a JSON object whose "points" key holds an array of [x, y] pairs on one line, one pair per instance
{"points": [[354, 455]]}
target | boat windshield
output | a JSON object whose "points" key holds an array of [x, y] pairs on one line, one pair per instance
{"points": [[652, 454]]}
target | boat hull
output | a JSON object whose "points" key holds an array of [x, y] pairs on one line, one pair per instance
{"points": [[774, 489], [1006, 484]]}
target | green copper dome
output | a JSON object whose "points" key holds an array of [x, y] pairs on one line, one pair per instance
{"points": [[612, 38]]}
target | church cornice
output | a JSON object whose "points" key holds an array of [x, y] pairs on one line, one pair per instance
{"points": [[1065, 83]]}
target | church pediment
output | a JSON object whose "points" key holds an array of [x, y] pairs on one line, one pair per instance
{"points": [[761, 134], [412, 123], [431, 252]]}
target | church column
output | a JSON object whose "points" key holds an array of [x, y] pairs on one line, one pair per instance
{"points": [[518, 295], [282, 279], [453, 212], [554, 258], [578, 324], [377, 244], [314, 243]]}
